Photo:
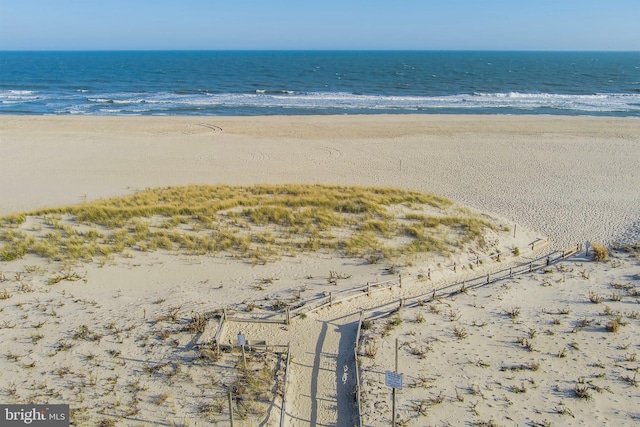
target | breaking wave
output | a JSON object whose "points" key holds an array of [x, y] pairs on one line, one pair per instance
{"points": [[292, 102]]}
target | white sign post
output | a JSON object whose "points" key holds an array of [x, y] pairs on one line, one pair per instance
{"points": [[393, 380], [241, 342]]}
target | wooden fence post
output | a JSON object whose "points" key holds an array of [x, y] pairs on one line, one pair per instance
{"points": [[368, 290], [244, 357], [400, 279], [288, 318], [330, 299], [429, 273]]}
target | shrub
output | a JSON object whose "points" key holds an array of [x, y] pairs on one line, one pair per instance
{"points": [[460, 333], [367, 324], [595, 298], [391, 324], [370, 350], [83, 332], [582, 392], [533, 366], [519, 389], [210, 355], [514, 312], [613, 326], [198, 323], [421, 351], [600, 253]]}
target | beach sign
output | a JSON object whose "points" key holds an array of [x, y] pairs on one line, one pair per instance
{"points": [[241, 340], [393, 380]]}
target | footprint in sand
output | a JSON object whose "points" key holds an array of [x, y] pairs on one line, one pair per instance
{"points": [[345, 375], [259, 156], [213, 128], [325, 154]]}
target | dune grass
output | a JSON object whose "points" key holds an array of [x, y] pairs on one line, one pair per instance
{"points": [[258, 224]]}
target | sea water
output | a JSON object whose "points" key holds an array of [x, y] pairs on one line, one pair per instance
{"points": [[319, 82]]}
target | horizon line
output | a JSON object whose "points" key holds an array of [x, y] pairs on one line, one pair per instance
{"points": [[330, 50]]}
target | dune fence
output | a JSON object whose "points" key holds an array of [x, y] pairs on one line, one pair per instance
{"points": [[214, 335], [448, 290]]}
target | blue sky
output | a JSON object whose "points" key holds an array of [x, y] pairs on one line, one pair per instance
{"points": [[321, 24]]}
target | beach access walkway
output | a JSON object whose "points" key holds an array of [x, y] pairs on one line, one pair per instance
{"points": [[321, 387], [322, 372]]}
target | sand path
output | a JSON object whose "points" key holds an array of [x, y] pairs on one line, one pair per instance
{"points": [[322, 383], [321, 393]]}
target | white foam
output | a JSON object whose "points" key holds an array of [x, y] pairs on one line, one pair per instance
{"points": [[515, 100], [17, 96], [167, 101]]}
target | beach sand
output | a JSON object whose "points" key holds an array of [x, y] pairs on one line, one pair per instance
{"points": [[533, 350], [138, 363], [568, 178]]}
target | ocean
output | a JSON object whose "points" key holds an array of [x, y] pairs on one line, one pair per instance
{"points": [[230, 83]]}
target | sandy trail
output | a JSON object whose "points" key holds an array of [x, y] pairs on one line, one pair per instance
{"points": [[324, 375], [322, 368]]}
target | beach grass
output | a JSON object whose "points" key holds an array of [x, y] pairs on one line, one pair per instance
{"points": [[258, 224]]}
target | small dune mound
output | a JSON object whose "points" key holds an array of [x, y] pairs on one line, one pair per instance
{"points": [[256, 223]]}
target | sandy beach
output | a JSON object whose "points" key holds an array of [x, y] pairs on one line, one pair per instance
{"points": [[121, 341], [572, 179]]}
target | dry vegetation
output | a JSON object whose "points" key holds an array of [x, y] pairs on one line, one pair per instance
{"points": [[257, 224], [129, 371], [600, 253], [538, 363]]}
